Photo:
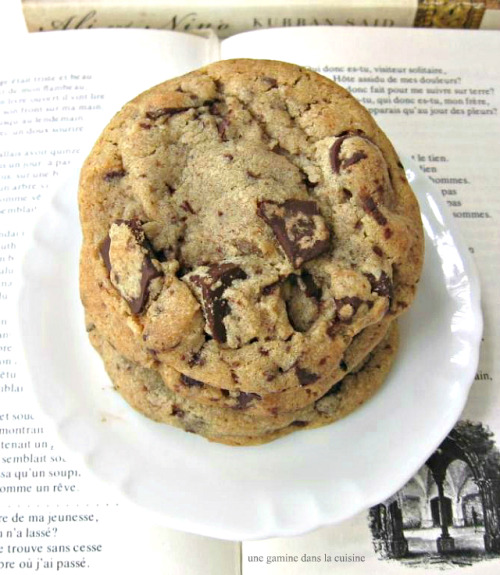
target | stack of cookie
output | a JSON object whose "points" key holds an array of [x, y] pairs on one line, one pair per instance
{"points": [[249, 238]]}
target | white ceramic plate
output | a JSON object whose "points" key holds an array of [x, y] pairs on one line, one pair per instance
{"points": [[294, 484]]}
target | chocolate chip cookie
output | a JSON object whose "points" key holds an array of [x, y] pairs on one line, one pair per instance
{"points": [[248, 234], [146, 391]]}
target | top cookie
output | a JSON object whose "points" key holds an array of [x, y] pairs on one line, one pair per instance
{"points": [[242, 224]]}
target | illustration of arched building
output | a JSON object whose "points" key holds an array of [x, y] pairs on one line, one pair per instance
{"points": [[458, 486]]}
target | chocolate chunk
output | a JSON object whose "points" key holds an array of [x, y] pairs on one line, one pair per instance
{"points": [[335, 161], [222, 126], [354, 159], [299, 423], [213, 286], [310, 287], [196, 358], [178, 412], [273, 83], [244, 399], [104, 251], [298, 226], [353, 302], [160, 112], [381, 286], [215, 108], [305, 377], [190, 382], [114, 175], [271, 288], [335, 389], [148, 271], [135, 226], [335, 153], [187, 207], [279, 150], [331, 330], [372, 209], [343, 365]]}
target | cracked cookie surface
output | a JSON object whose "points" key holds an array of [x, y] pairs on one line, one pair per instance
{"points": [[246, 227]]}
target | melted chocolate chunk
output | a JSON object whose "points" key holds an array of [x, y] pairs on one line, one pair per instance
{"points": [[148, 273], [178, 412], [279, 150], [353, 302], [271, 288], [197, 358], [104, 251], [244, 399], [187, 207], [298, 227], [311, 289], [335, 153], [372, 209], [114, 175], [135, 226], [215, 108], [354, 159], [382, 286], [213, 286], [331, 330], [273, 83], [190, 382], [347, 193], [335, 389], [305, 377], [222, 126], [160, 112], [148, 270], [299, 423], [335, 161]]}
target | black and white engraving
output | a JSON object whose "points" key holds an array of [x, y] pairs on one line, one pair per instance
{"points": [[448, 514]]}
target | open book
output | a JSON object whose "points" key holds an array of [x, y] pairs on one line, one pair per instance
{"points": [[436, 94]]}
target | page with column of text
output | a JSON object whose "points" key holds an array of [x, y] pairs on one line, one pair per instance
{"points": [[437, 96]]}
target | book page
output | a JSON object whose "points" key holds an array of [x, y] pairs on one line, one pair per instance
{"points": [[436, 93], [57, 90]]}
